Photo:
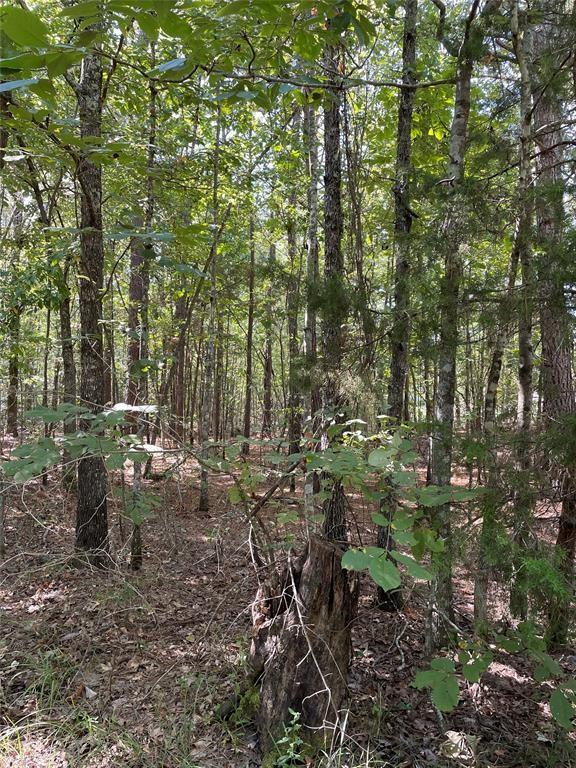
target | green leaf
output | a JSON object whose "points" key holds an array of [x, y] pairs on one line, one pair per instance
{"points": [[401, 520], [379, 458], [83, 10], [385, 573], [414, 569], [380, 519], [355, 560], [25, 28], [434, 496], [562, 708], [474, 667], [234, 495], [442, 681], [114, 461], [547, 668], [445, 693]]}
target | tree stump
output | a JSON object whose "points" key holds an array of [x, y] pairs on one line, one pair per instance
{"points": [[301, 645]]}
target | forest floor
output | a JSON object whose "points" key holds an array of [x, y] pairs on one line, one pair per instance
{"points": [[125, 670]]}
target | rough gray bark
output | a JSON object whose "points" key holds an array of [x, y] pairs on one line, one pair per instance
{"points": [[210, 344], [292, 310], [249, 339], [555, 323], [268, 363], [312, 270], [91, 512], [14, 317], [334, 301], [400, 333], [520, 256], [451, 233], [524, 502]]}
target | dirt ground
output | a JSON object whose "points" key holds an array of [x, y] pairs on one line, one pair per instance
{"points": [[125, 670]]}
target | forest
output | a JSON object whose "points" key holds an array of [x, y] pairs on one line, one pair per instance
{"points": [[287, 396]]}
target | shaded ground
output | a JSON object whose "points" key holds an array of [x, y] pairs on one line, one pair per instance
{"points": [[125, 670]]}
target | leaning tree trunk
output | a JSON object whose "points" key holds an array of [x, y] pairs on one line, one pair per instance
{"points": [[302, 646], [91, 513]]}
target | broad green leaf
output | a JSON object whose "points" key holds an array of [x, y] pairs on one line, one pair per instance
{"points": [[379, 458], [355, 560], [25, 28], [562, 708], [380, 519], [414, 569], [445, 693], [385, 573], [442, 681], [547, 668], [114, 461], [234, 495], [474, 667], [434, 496]]}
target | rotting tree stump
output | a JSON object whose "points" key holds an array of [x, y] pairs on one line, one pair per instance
{"points": [[301, 646]]}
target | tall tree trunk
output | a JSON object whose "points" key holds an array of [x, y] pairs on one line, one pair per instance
{"points": [[334, 300], [14, 317], [292, 309], [268, 362], [312, 270], [400, 334], [91, 513], [555, 322], [520, 255], [249, 337], [210, 346], [524, 501], [440, 614]]}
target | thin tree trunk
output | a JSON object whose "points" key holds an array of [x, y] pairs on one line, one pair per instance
{"points": [[91, 514], [334, 304], [268, 362], [440, 614], [400, 334], [249, 338], [292, 308], [209, 357], [14, 316]]}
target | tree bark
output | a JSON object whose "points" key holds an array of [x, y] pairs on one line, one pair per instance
{"points": [[210, 348], [334, 300], [400, 334], [91, 513], [555, 322], [452, 231], [268, 361], [249, 338], [301, 644]]}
